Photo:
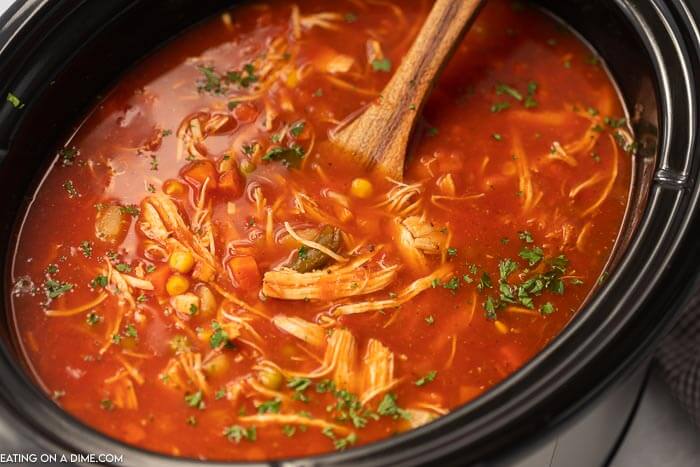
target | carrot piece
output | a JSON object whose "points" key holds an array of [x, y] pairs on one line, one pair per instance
{"points": [[245, 272], [230, 182], [198, 171]]}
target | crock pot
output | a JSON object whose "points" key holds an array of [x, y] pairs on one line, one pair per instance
{"points": [[58, 56]]}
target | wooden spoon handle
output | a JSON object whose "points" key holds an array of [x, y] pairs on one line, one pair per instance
{"points": [[379, 137]]}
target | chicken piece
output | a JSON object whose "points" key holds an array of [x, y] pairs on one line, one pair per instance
{"points": [[377, 370], [341, 280], [415, 238], [310, 333]]}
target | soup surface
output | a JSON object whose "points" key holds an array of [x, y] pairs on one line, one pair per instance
{"points": [[198, 276]]}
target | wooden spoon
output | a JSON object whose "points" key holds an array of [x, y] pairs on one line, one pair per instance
{"points": [[377, 139]]}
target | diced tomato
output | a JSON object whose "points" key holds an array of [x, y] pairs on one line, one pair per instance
{"points": [[198, 171], [245, 272]]}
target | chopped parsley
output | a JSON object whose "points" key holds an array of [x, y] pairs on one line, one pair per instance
{"points": [[68, 156], [131, 210], [93, 318], [237, 433], [271, 406], [131, 331], [383, 65], [195, 400], [504, 89], [219, 337], [452, 285], [290, 157], [532, 255], [297, 128], [428, 378], [123, 267], [86, 248], [99, 282], [525, 236], [484, 282], [499, 106], [55, 289], [70, 189], [547, 309], [388, 408], [497, 137]]}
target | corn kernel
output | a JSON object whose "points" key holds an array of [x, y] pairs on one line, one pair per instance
{"points": [[501, 327], [247, 167], [361, 188], [181, 261], [270, 378], [177, 285]]}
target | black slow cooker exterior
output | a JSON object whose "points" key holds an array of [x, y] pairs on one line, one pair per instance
{"points": [[58, 55]]}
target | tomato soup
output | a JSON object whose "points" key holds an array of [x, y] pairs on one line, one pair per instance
{"points": [[198, 276]]}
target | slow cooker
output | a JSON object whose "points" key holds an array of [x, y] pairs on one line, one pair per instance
{"points": [[569, 404]]}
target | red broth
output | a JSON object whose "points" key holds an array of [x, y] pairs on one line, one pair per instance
{"points": [[315, 307]]}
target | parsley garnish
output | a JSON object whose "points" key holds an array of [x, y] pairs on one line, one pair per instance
{"points": [[381, 65], [237, 433], [430, 377], [55, 289], [388, 407], [290, 157], [271, 406], [195, 400], [532, 255]]}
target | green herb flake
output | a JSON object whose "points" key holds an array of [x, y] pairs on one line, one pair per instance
{"points": [[131, 331], [499, 106], [86, 248], [55, 289], [504, 89], [271, 406], [428, 378], [290, 157], [388, 408], [100, 281], [297, 128], [92, 318], [195, 400], [532, 255], [237, 433], [70, 189], [547, 309], [67, 156], [525, 236], [383, 65]]}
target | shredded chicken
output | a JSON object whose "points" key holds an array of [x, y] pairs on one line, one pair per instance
{"points": [[416, 287], [353, 278], [308, 332]]}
